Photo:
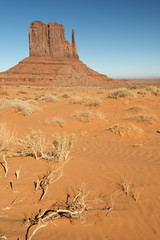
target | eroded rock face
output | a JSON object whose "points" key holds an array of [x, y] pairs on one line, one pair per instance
{"points": [[48, 39]]}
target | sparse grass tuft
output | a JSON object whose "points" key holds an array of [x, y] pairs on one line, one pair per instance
{"points": [[83, 116], [6, 137], [126, 129], [48, 98], [65, 95], [142, 91], [3, 93], [101, 91], [121, 93], [147, 118], [87, 115], [136, 108], [129, 189], [37, 145], [151, 89], [77, 100], [26, 107], [55, 121], [126, 186], [95, 102]]}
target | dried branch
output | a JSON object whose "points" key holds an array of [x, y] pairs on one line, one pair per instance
{"points": [[3, 236], [9, 207], [17, 173], [50, 177], [75, 207], [5, 166]]}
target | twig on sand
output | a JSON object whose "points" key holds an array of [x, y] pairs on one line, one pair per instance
{"points": [[5, 166], [75, 207], [3, 236], [9, 207]]}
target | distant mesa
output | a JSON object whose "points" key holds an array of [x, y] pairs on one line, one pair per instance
{"points": [[48, 39], [54, 61]]}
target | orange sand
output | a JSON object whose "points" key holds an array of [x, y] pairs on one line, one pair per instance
{"points": [[99, 158]]}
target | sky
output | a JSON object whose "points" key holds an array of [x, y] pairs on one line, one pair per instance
{"points": [[119, 38]]}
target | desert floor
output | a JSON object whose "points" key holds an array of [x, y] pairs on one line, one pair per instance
{"points": [[114, 164]]}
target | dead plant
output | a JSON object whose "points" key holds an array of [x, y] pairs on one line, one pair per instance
{"points": [[76, 207], [37, 145]]}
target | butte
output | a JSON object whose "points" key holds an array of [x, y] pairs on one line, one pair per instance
{"points": [[54, 61]]}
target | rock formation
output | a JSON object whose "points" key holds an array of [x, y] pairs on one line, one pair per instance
{"points": [[54, 61], [48, 39]]}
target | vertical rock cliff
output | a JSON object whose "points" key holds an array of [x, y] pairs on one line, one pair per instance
{"points": [[48, 39]]}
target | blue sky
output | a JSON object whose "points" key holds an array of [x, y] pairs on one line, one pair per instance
{"points": [[120, 38]]}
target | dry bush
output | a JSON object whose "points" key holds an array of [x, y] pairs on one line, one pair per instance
{"points": [[126, 186], [22, 92], [37, 145], [55, 121], [152, 89], [94, 102], [6, 137], [65, 95], [99, 115], [126, 129], [83, 116], [3, 93], [51, 176], [121, 93], [136, 108], [101, 91], [148, 118], [48, 98], [87, 115], [142, 91], [77, 100], [54, 94], [158, 92], [129, 189], [26, 107]]}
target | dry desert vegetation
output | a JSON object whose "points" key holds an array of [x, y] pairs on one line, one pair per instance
{"points": [[79, 163]]}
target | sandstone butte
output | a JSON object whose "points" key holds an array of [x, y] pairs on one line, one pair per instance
{"points": [[54, 61]]}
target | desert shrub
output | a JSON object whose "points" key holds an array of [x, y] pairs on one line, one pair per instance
{"points": [[142, 91], [151, 89], [101, 91], [37, 145], [94, 102], [54, 94], [23, 92], [121, 93], [77, 100], [148, 118], [6, 137], [99, 115], [65, 95], [55, 121], [136, 108], [26, 107], [126, 129], [3, 93], [158, 92], [87, 115], [48, 98]]}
